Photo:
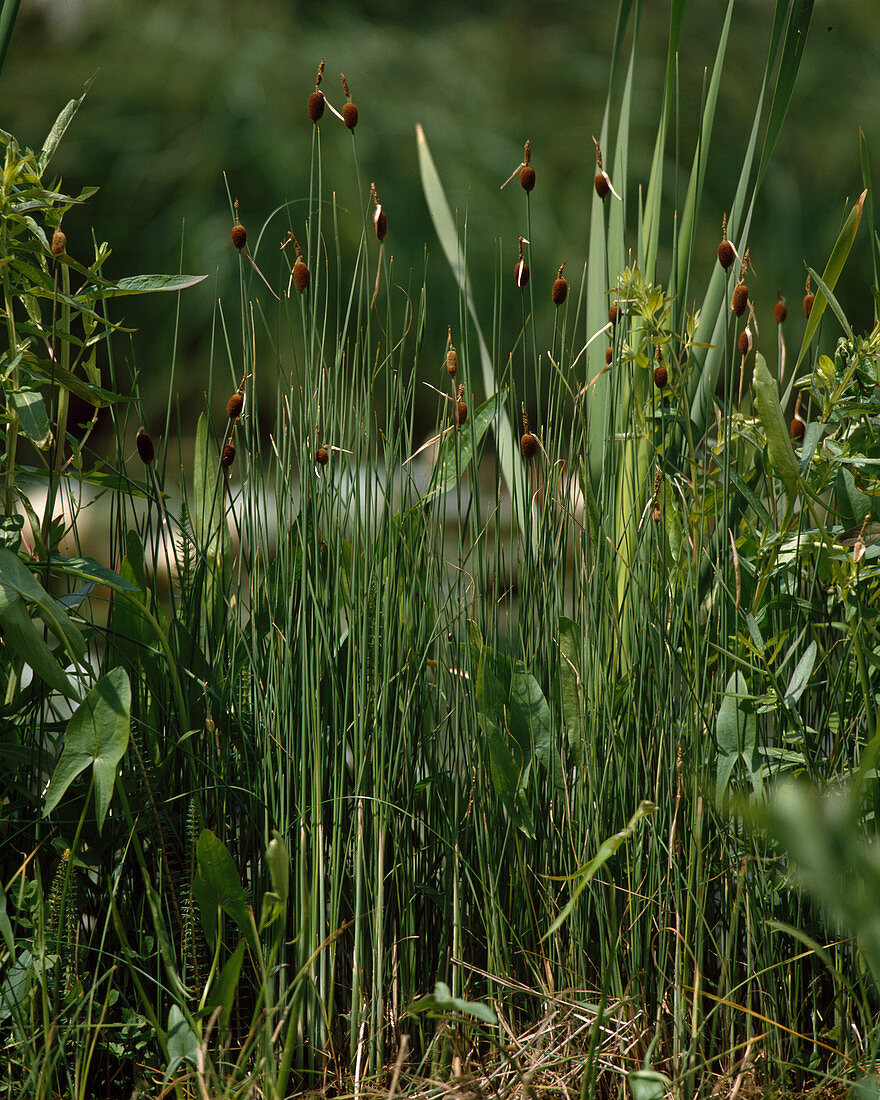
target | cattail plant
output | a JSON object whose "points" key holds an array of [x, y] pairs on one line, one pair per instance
{"points": [[521, 270], [809, 298], [559, 290], [349, 110], [316, 99]]}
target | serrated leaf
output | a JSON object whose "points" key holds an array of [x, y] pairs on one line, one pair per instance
{"points": [[779, 446], [97, 736]]}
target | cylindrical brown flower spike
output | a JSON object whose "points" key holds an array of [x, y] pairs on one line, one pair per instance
{"points": [[521, 271], [316, 99], [145, 446], [726, 253], [528, 443], [322, 456], [744, 343], [527, 173], [451, 356], [779, 310], [614, 314], [300, 274], [234, 406], [809, 298], [560, 288], [602, 183], [239, 233], [380, 222], [740, 297], [349, 111], [228, 456], [461, 411], [661, 377], [609, 355], [59, 243]]}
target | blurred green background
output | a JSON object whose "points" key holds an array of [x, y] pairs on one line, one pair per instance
{"points": [[188, 89]]}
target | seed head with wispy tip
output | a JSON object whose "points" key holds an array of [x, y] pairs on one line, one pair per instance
{"points": [[521, 271], [349, 111], [726, 253], [145, 447], [59, 243], [601, 183], [809, 298], [560, 288], [527, 172], [461, 409], [316, 99], [739, 299], [528, 443]]}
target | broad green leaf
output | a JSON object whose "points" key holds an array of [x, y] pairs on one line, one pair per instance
{"points": [[735, 731], [441, 1002], [801, 676], [96, 396], [529, 723], [608, 847], [507, 776], [779, 446], [15, 577], [831, 274], [87, 569], [649, 1084], [183, 1043], [97, 735], [139, 284], [494, 673], [224, 987], [34, 419], [569, 681], [24, 639], [217, 887], [459, 446]]}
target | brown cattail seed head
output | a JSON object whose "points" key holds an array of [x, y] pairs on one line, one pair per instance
{"points": [[661, 377], [228, 456], [59, 243], [601, 184], [300, 276], [527, 177], [380, 223], [779, 310], [726, 255], [234, 406], [316, 105], [609, 355], [809, 298], [744, 343], [614, 313], [798, 427], [350, 115], [239, 236], [560, 289], [460, 407], [321, 456], [739, 299], [452, 362], [528, 445], [145, 446], [521, 273]]}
